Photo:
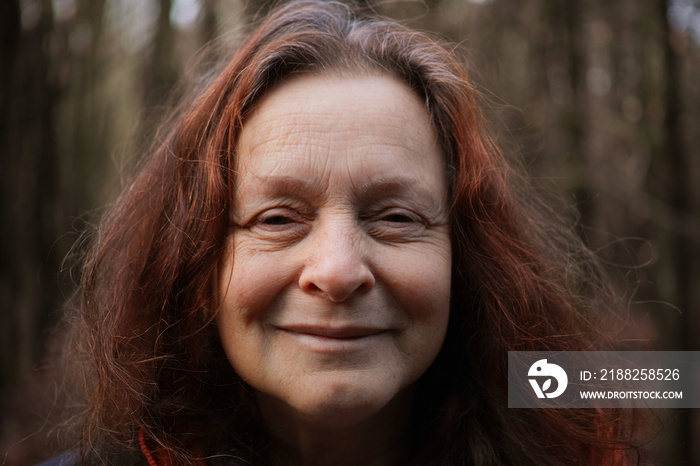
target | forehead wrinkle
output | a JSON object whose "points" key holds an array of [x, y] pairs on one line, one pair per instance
{"points": [[272, 139], [308, 130], [276, 153], [297, 117]]}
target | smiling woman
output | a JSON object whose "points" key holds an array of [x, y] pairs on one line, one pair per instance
{"points": [[341, 208], [326, 261]]}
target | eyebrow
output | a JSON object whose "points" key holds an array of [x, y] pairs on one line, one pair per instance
{"points": [[393, 186], [284, 185]]}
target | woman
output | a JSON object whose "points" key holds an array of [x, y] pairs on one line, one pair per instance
{"points": [[325, 261]]}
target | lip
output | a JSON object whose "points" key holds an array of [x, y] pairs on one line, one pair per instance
{"points": [[340, 333], [333, 340]]}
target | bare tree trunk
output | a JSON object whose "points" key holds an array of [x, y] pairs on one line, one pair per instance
{"points": [[10, 45], [209, 23], [586, 106], [29, 176], [84, 159], [160, 72], [29, 291], [679, 197]]}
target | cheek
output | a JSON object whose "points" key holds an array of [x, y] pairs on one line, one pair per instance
{"points": [[249, 282], [252, 288], [421, 285], [422, 282], [243, 298], [429, 293]]}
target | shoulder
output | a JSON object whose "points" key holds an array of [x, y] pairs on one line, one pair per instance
{"points": [[73, 458], [69, 458]]}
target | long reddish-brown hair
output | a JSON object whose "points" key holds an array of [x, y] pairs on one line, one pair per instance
{"points": [[144, 334]]}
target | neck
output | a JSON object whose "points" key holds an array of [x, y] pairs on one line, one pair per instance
{"points": [[378, 440]]}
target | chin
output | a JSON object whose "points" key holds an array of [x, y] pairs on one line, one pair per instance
{"points": [[341, 404]]}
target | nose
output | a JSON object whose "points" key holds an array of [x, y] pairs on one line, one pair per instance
{"points": [[336, 264]]}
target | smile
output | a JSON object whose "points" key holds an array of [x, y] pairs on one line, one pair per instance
{"points": [[328, 339]]}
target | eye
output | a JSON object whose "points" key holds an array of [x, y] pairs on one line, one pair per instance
{"points": [[276, 220], [279, 225], [396, 225], [279, 219], [397, 218]]}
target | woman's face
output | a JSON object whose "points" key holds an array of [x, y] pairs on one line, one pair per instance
{"points": [[335, 286]]}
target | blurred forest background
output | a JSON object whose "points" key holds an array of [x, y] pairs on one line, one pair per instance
{"points": [[600, 99]]}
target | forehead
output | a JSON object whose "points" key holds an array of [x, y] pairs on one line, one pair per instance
{"points": [[376, 119]]}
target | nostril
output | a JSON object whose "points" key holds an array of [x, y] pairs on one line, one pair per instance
{"points": [[312, 288], [366, 284]]}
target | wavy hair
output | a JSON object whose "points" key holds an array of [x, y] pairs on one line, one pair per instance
{"points": [[144, 333]]}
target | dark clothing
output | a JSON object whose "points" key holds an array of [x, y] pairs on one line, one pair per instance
{"points": [[69, 458]]}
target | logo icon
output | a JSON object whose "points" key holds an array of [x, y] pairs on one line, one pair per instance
{"points": [[543, 369]]}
